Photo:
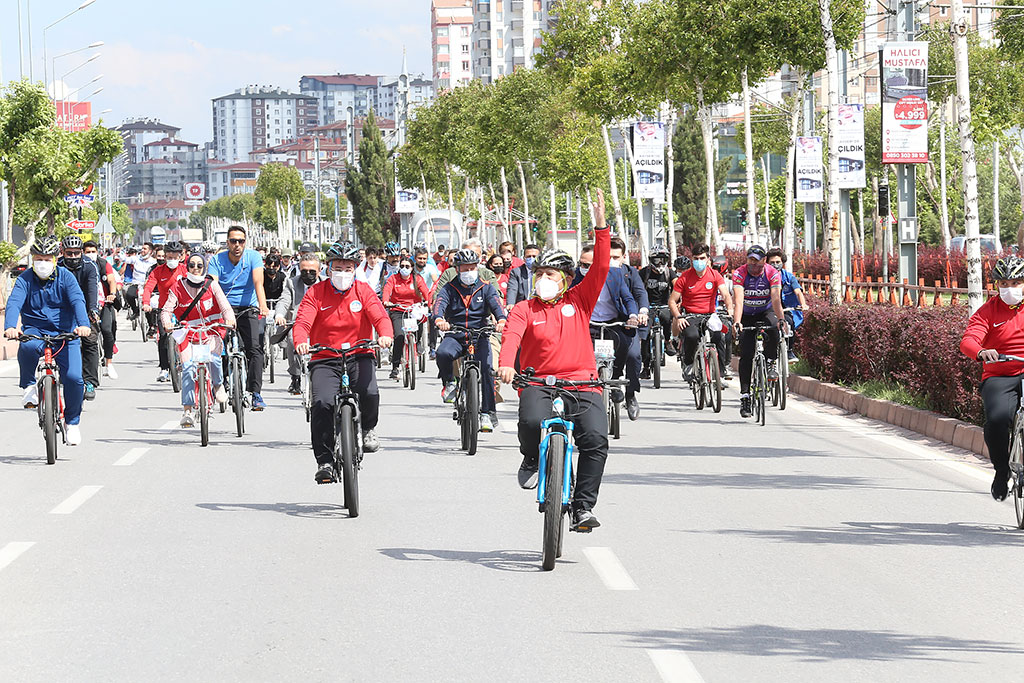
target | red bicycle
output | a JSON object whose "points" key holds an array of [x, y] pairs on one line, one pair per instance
{"points": [[50, 406], [201, 355]]}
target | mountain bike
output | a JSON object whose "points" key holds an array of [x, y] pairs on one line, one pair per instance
{"points": [[348, 447], [604, 354], [467, 396], [174, 358], [200, 358], [657, 341], [705, 378], [410, 354], [556, 483], [50, 406], [759, 385], [235, 375], [780, 389], [1017, 451]]}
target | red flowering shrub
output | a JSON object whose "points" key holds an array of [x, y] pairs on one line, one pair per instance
{"points": [[918, 348]]}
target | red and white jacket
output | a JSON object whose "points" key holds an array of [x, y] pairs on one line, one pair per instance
{"points": [[213, 307]]}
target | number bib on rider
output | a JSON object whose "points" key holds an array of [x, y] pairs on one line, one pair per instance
{"points": [[604, 349], [201, 353]]}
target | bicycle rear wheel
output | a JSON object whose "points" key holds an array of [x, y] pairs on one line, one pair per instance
{"points": [[1017, 467], [175, 360], [602, 374], [270, 355], [345, 446], [657, 358], [697, 377], [238, 396], [471, 417], [553, 510], [204, 405], [713, 374], [48, 401], [614, 422]]}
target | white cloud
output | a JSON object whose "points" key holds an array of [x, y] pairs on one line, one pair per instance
{"points": [[282, 28]]}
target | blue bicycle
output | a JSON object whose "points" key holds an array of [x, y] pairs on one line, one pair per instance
{"points": [[555, 488]]}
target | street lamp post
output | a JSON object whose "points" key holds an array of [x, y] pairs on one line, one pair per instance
{"points": [[90, 46], [82, 6]]}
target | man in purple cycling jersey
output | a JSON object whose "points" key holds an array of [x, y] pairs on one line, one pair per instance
{"points": [[757, 299]]}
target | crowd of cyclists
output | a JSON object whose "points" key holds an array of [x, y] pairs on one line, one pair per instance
{"points": [[536, 310]]}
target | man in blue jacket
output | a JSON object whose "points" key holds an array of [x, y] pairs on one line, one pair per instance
{"points": [[469, 303], [50, 302]]}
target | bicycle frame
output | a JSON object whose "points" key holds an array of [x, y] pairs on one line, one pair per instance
{"points": [[556, 427], [47, 367]]}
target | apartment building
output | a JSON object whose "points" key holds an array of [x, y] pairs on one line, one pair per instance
{"points": [[333, 95], [451, 31], [507, 34], [421, 92], [259, 116]]}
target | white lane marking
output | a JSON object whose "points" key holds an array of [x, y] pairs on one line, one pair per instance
{"points": [[130, 457], [75, 500], [674, 666], [897, 442], [611, 571], [10, 552], [173, 424]]}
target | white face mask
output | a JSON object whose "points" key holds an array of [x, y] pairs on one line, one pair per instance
{"points": [[172, 263], [44, 269], [615, 263], [469, 277], [406, 272], [92, 257], [1011, 296], [584, 269], [342, 279], [547, 289], [195, 278]]}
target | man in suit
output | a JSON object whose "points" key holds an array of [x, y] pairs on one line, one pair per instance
{"points": [[520, 280], [307, 275]]}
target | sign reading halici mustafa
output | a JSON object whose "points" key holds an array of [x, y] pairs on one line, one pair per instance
{"points": [[905, 103]]}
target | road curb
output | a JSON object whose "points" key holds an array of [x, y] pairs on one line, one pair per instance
{"points": [[933, 425]]}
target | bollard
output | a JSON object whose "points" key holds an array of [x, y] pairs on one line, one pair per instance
{"points": [[922, 299], [907, 300], [955, 298]]}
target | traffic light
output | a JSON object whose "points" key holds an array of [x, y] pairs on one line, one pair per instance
{"points": [[743, 217]]}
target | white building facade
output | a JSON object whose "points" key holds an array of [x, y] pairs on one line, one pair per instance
{"points": [[259, 116]]}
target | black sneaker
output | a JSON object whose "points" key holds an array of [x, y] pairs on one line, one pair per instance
{"points": [[394, 373], [295, 388], [325, 474], [999, 486], [632, 407], [645, 373], [616, 395], [670, 349], [745, 407], [528, 474], [584, 521]]}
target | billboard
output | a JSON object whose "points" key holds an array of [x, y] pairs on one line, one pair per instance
{"points": [[406, 200], [649, 160], [904, 103], [810, 171], [195, 193], [851, 147], [73, 116]]}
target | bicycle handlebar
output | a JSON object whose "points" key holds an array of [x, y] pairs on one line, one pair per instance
{"points": [[1003, 358], [47, 338], [486, 329], [527, 378], [620, 323], [361, 345]]}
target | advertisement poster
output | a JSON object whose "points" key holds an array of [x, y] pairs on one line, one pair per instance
{"points": [[810, 170], [406, 201], [649, 160], [73, 116], [195, 193], [904, 103], [852, 175]]}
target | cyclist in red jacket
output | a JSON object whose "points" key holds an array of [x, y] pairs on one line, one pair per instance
{"points": [[551, 333], [402, 291], [998, 328]]}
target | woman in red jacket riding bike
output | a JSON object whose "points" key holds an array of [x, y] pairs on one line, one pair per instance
{"points": [[402, 291]]}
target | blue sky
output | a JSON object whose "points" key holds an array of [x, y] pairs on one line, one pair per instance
{"points": [[168, 59]]}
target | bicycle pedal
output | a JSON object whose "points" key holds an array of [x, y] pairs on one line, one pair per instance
{"points": [[581, 529]]}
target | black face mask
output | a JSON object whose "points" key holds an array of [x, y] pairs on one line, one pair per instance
{"points": [[161, 261], [308, 277], [72, 263], [498, 269]]}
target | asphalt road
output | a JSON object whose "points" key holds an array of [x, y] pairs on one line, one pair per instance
{"points": [[820, 547]]}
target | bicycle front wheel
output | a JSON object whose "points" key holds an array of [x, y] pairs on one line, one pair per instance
{"points": [[203, 392], [175, 359], [238, 396], [412, 355], [553, 509], [471, 416], [760, 387], [345, 447], [1017, 466], [697, 377], [783, 372], [614, 423], [657, 358], [714, 378], [48, 401]]}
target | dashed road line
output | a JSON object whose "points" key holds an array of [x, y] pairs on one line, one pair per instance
{"points": [[75, 500], [12, 551], [611, 571], [674, 666], [130, 457], [173, 424]]}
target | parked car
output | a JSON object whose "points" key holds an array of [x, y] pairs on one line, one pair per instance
{"points": [[988, 243]]}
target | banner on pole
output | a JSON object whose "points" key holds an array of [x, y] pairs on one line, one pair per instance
{"points": [[904, 103], [195, 193], [810, 171], [406, 201], [73, 116], [851, 147], [649, 160]]}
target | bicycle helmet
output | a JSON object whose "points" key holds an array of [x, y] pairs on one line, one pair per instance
{"points": [[173, 246], [392, 249], [659, 252], [342, 251], [720, 263], [1009, 268], [72, 242], [465, 257], [682, 263], [48, 246], [558, 260], [757, 251]]}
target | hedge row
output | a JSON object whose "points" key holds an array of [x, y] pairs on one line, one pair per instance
{"points": [[917, 347]]}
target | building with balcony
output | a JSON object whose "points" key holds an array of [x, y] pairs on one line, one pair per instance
{"points": [[507, 34], [451, 31], [259, 116]]}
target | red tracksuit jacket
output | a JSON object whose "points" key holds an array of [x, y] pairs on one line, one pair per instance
{"points": [[996, 326]]}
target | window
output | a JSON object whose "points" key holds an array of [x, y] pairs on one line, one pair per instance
{"points": [[465, 49], [259, 112], [464, 32], [442, 32], [465, 65], [442, 49], [277, 122]]}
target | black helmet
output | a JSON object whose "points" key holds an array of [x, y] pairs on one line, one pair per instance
{"points": [[173, 246], [1009, 268], [72, 242], [463, 257], [558, 260], [659, 252], [308, 247], [392, 249], [682, 263], [48, 246], [342, 251], [273, 260]]}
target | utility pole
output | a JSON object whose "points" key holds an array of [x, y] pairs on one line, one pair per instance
{"points": [[316, 190], [810, 238], [845, 234], [995, 195]]}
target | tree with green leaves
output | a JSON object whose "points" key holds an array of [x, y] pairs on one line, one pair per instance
{"points": [[278, 187], [689, 189], [370, 187]]}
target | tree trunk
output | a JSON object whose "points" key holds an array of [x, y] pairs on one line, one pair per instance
{"points": [[767, 203], [579, 224], [669, 205], [748, 155], [554, 216], [832, 226], [524, 228], [995, 196], [944, 213], [611, 178], [711, 235], [860, 218], [451, 199], [959, 28], [501, 216]]}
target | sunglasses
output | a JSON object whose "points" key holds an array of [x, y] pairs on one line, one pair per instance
{"points": [[775, 263], [236, 240], [195, 266]]}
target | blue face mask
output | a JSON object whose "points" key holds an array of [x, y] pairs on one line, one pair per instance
{"points": [[700, 264], [530, 260]]}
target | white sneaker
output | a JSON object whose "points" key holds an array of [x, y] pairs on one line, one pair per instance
{"points": [[164, 376], [31, 397], [186, 420], [73, 434], [221, 395], [109, 371]]}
